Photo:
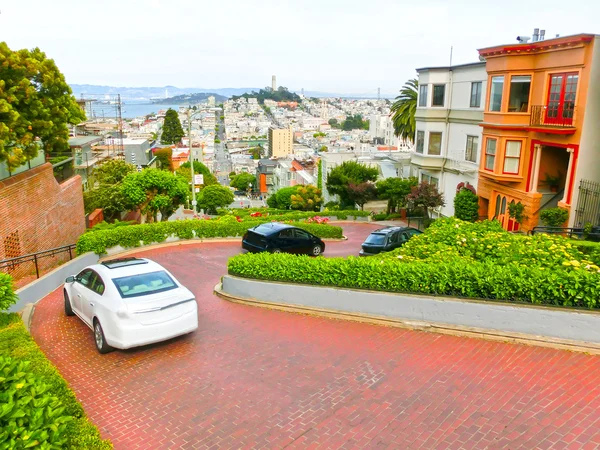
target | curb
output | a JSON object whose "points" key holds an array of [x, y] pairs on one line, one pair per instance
{"points": [[27, 314], [453, 330]]}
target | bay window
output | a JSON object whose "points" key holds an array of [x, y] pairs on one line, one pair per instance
{"points": [[518, 100], [512, 157], [435, 143], [496, 93], [420, 141], [423, 95], [490, 153]]}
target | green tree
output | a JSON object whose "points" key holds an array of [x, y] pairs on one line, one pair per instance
{"points": [[272, 201], [425, 196], [361, 193], [307, 198], [164, 158], [172, 132], [320, 174], [323, 148], [241, 181], [334, 123], [35, 103], [284, 197], [466, 205], [349, 172], [199, 169], [355, 123], [106, 192], [404, 109], [154, 191], [213, 197], [395, 190]]}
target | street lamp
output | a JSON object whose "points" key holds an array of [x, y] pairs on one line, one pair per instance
{"points": [[190, 115]]}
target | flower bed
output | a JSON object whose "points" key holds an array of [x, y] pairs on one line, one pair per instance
{"points": [[455, 258]]}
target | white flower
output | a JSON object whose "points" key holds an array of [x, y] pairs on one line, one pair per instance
{"points": [[400, 257], [464, 239], [456, 226]]}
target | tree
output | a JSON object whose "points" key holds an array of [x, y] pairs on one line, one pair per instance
{"points": [[164, 158], [36, 104], [466, 205], [154, 191], [106, 192], [323, 148], [284, 197], [172, 132], [395, 190], [112, 171], [242, 181], [307, 198], [404, 109], [425, 195], [344, 174], [199, 168], [320, 174], [213, 197], [361, 193], [355, 123], [334, 123]]}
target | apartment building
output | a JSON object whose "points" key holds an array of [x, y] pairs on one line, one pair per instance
{"points": [[281, 142], [448, 133], [541, 138]]}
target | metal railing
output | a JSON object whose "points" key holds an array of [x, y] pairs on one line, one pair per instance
{"points": [[12, 263], [549, 116], [593, 235]]}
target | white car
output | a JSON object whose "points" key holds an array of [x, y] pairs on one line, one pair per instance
{"points": [[130, 302]]}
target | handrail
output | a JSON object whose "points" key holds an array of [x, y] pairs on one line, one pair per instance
{"points": [[11, 263], [549, 200]]}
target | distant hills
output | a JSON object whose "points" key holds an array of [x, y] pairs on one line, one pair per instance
{"points": [[189, 99]]}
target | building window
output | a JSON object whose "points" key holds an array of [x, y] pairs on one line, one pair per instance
{"points": [[471, 151], [429, 179], [518, 100], [435, 143], [512, 157], [496, 93], [438, 95], [420, 141], [490, 154], [475, 94], [423, 95]]}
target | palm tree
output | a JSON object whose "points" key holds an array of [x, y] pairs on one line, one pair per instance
{"points": [[403, 111]]}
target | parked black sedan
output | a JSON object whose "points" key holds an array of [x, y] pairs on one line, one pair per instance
{"points": [[277, 237], [386, 239]]}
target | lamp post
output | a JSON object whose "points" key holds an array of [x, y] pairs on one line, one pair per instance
{"points": [[194, 203]]}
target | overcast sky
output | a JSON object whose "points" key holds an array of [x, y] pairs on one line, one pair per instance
{"points": [[348, 46]]}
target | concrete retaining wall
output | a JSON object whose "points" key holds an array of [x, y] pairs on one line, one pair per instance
{"points": [[51, 281], [572, 325]]}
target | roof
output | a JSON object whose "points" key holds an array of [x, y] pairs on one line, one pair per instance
{"points": [[457, 66], [84, 140], [127, 269], [390, 230], [528, 47], [270, 228]]}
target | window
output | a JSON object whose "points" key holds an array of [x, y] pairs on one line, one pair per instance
{"points": [[144, 284], [435, 143], [287, 234], [496, 93], [471, 151], [420, 141], [561, 98], [84, 277], [475, 94], [512, 157], [301, 234], [423, 95], [518, 100], [438, 95], [490, 154], [429, 179]]}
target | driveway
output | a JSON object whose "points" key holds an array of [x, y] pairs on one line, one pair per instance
{"points": [[256, 378]]}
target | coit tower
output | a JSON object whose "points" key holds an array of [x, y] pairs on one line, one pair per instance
{"points": [[273, 83]]}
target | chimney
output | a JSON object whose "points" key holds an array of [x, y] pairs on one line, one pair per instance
{"points": [[536, 34], [542, 34]]}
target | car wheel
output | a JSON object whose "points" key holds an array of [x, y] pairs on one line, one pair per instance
{"points": [[276, 250], [68, 308], [101, 344], [316, 250]]}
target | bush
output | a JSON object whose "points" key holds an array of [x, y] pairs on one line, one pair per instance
{"points": [[332, 206], [136, 235], [7, 292], [554, 217], [109, 226], [381, 216], [466, 205], [272, 201]]}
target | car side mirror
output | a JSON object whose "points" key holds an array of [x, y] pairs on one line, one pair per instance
{"points": [[70, 279]]}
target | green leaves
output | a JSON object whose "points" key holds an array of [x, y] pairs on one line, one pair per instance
{"points": [[243, 181], [404, 109], [7, 292], [213, 197], [172, 132]]}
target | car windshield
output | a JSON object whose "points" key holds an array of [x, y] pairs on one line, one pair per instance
{"points": [[376, 239], [144, 284]]}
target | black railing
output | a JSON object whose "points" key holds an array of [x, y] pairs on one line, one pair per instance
{"points": [[588, 204], [580, 233], [553, 116], [12, 263]]}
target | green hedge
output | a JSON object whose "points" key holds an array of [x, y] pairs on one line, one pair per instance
{"points": [[24, 366], [136, 235], [288, 214], [7, 292]]}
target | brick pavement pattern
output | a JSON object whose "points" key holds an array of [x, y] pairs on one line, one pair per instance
{"points": [[256, 378]]}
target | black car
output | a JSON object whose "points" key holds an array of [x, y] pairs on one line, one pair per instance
{"points": [[278, 237], [386, 239]]}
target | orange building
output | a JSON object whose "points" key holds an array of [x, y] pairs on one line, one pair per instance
{"points": [[541, 130]]}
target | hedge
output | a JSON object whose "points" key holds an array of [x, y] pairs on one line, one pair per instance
{"points": [[7, 292], [62, 423], [136, 235], [287, 214]]}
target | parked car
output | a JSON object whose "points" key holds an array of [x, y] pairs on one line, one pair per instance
{"points": [[130, 302], [277, 237], [386, 239]]}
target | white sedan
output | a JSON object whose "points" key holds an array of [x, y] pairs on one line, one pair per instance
{"points": [[130, 302]]}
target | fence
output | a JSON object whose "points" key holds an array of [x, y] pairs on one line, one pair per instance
{"points": [[588, 204], [24, 265]]}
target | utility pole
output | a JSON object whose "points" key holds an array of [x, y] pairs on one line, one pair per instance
{"points": [[191, 159]]}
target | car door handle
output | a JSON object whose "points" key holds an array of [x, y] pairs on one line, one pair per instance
{"points": [[92, 304], [78, 295]]}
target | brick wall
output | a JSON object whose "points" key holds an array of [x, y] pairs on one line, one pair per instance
{"points": [[36, 214]]}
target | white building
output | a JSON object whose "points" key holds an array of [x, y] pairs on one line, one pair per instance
{"points": [[448, 136]]}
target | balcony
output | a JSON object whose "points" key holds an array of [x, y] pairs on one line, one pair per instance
{"points": [[558, 116], [432, 162]]}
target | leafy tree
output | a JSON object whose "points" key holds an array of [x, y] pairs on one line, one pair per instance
{"points": [[35, 103], [361, 193], [172, 132], [344, 174], [164, 158], [199, 168], [323, 148], [241, 181], [355, 123], [112, 171], [106, 193], [272, 201], [256, 152], [284, 197], [307, 198], [213, 197], [281, 94], [319, 135], [425, 195], [404, 109], [153, 191], [395, 190], [320, 174], [217, 141], [466, 205], [334, 123]]}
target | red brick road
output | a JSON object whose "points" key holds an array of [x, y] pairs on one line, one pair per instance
{"points": [[256, 378]]}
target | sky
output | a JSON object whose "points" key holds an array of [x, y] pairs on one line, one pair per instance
{"points": [[341, 46]]}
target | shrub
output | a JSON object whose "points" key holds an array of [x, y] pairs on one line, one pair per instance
{"points": [[466, 205], [7, 292], [380, 216], [554, 217], [332, 206], [109, 226]]}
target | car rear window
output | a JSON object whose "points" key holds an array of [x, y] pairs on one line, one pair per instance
{"points": [[375, 239], [144, 284], [264, 229]]}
